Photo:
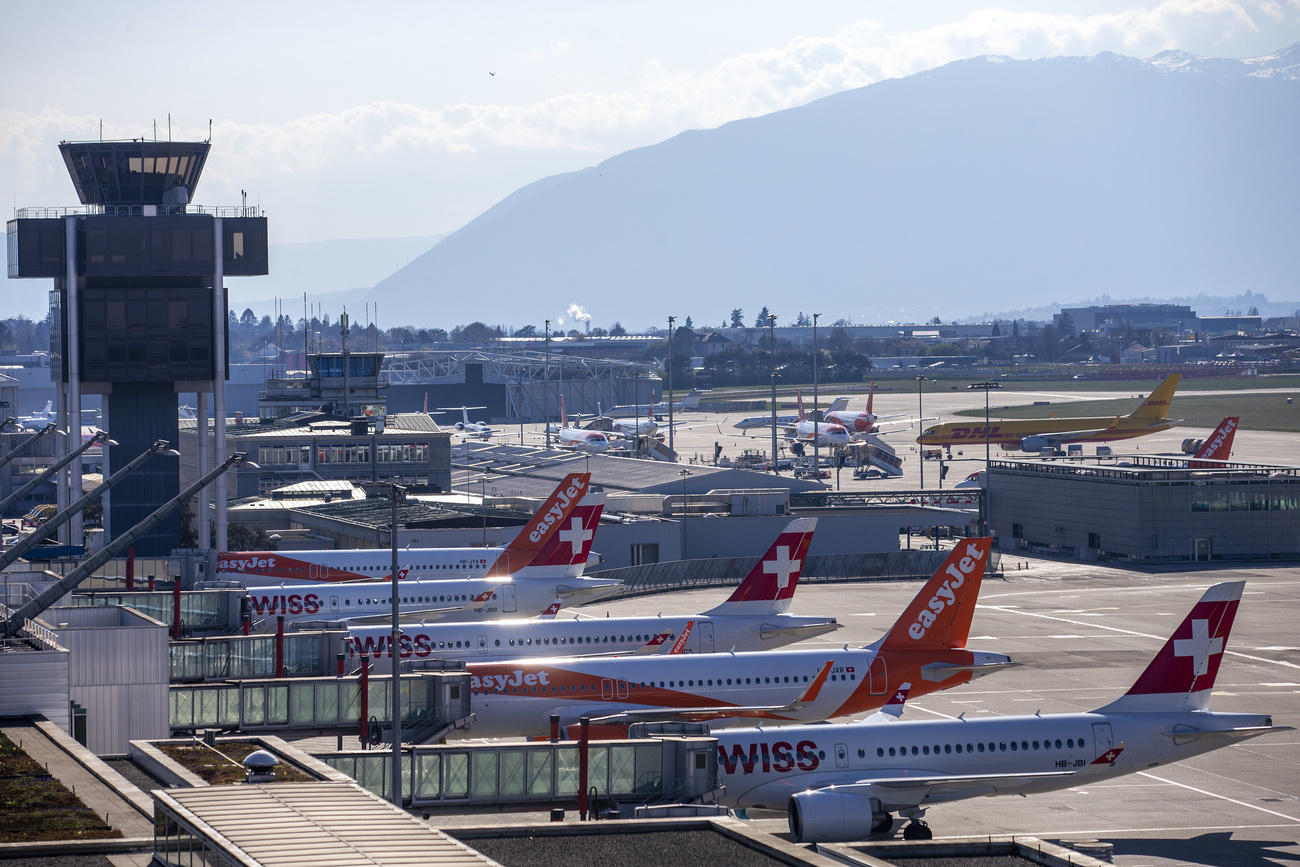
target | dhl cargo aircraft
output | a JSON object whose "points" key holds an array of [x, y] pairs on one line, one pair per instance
{"points": [[926, 647], [554, 518], [1033, 435]]}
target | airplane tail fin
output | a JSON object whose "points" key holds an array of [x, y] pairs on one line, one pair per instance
{"points": [[564, 417], [871, 396], [799, 396], [1181, 675], [770, 585], [1219, 444], [838, 404], [548, 522], [692, 400], [939, 617], [1157, 403]]}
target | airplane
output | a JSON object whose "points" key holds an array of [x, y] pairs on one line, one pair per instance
{"points": [[469, 428], [843, 782], [753, 617], [765, 421], [452, 600], [1033, 435], [691, 401], [38, 418], [926, 647], [860, 424], [579, 439], [270, 568], [1217, 446], [826, 433]]}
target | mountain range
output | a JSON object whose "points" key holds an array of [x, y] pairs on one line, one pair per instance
{"points": [[985, 184]]}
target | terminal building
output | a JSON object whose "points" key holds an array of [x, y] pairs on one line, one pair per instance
{"points": [[1146, 509]]}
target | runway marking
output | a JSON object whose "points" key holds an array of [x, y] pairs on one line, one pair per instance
{"points": [[1101, 831], [1140, 589], [1220, 797], [1237, 653]]}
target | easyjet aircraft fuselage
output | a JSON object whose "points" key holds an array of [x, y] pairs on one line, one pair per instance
{"points": [[512, 639], [517, 698]]}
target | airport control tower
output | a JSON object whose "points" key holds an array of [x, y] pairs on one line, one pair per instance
{"points": [[138, 314]]}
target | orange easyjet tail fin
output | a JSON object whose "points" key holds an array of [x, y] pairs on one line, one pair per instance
{"points": [[871, 396], [799, 396], [1218, 446], [940, 615], [545, 523]]}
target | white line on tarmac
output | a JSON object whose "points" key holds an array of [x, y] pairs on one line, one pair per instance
{"points": [[1074, 832], [1006, 610], [1220, 797]]}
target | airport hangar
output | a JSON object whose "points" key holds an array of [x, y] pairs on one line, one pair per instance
{"points": [[1146, 508], [654, 512]]}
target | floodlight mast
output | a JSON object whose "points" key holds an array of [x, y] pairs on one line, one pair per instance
{"points": [[32, 539], [99, 438], [54, 592]]}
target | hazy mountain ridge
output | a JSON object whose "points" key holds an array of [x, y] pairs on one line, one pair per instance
{"points": [[974, 186]]}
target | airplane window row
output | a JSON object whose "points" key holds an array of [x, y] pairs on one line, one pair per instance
{"points": [[588, 639], [413, 599], [664, 684], [993, 747]]}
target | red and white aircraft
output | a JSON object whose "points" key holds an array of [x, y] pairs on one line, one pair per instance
{"points": [[263, 568], [1217, 446], [925, 647], [754, 617], [454, 599], [827, 433], [577, 438], [843, 782], [862, 423]]}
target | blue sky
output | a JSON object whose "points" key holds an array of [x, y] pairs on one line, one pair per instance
{"points": [[401, 119]]}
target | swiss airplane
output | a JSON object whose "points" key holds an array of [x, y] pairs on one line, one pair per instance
{"points": [[263, 568], [843, 782], [827, 433], [754, 617], [455, 599], [579, 439], [925, 647]]}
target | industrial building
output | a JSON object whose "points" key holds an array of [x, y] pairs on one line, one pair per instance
{"points": [[1146, 508]]}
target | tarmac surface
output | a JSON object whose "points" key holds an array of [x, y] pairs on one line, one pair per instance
{"points": [[1084, 632]]}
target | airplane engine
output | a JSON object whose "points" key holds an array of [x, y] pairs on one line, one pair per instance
{"points": [[828, 816], [1035, 444]]}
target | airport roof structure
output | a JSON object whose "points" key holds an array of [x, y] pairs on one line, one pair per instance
{"points": [[534, 472], [308, 823]]}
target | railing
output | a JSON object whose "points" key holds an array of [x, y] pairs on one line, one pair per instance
{"points": [[135, 210]]}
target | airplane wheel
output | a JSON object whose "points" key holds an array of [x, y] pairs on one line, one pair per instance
{"points": [[917, 830], [884, 825]]}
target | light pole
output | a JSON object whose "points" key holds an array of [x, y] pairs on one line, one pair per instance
{"points": [[395, 646], [771, 349], [482, 502], [671, 320], [684, 473], [920, 420], [546, 375], [817, 454]]}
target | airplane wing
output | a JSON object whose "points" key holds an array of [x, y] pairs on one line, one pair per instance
{"points": [[706, 713], [913, 788]]}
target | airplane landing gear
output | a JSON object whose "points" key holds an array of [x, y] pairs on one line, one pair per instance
{"points": [[917, 829], [883, 823]]}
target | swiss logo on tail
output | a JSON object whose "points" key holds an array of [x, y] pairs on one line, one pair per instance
{"points": [[771, 583], [543, 526], [570, 543], [1182, 673], [1218, 446], [940, 615]]}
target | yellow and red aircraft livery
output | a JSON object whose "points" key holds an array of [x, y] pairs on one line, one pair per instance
{"points": [[926, 647], [1035, 434]]}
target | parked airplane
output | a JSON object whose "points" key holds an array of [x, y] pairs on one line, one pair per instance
{"points": [[1033, 435], [765, 421], [262, 568], [579, 439], [691, 401], [1217, 446], [754, 617], [926, 647], [465, 426], [842, 782], [550, 577], [825, 433], [39, 418], [863, 423]]}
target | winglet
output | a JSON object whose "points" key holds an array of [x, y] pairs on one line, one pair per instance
{"points": [[939, 617], [679, 646], [1108, 757], [551, 610], [894, 707]]}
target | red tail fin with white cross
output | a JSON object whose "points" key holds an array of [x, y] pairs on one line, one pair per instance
{"points": [[871, 396], [570, 545], [769, 586], [1182, 674]]}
